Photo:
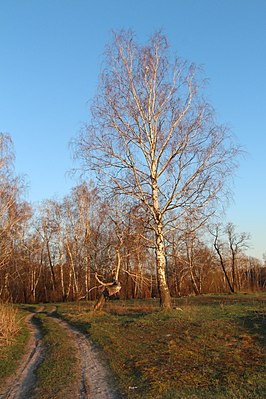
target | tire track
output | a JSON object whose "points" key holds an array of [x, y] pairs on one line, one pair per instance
{"points": [[20, 385], [94, 377], [93, 382]]}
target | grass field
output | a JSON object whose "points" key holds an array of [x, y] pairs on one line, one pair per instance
{"points": [[208, 347]]}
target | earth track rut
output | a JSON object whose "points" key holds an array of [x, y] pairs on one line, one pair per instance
{"points": [[20, 385], [94, 377]]}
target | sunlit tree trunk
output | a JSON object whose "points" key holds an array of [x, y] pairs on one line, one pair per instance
{"points": [[163, 289], [62, 276], [72, 272]]}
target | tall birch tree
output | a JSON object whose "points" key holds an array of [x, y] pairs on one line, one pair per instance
{"points": [[153, 138]]}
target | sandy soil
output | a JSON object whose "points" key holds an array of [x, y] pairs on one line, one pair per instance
{"points": [[94, 377]]}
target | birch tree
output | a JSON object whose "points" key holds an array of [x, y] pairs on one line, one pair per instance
{"points": [[154, 139]]}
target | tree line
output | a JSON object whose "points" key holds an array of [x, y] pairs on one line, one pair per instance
{"points": [[60, 250], [163, 166]]}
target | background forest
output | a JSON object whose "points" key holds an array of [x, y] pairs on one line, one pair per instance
{"points": [[53, 252]]}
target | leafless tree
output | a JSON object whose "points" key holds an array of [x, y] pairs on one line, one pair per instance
{"points": [[79, 214], [14, 213], [237, 243], [9, 193], [154, 139], [228, 248]]}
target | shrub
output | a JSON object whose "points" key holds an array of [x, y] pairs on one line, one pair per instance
{"points": [[9, 325]]}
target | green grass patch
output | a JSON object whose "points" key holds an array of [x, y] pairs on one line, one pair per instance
{"points": [[59, 371], [209, 347], [11, 354]]}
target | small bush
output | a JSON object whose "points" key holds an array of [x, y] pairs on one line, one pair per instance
{"points": [[9, 325]]}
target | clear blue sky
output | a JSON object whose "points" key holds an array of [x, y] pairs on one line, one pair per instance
{"points": [[50, 52]]}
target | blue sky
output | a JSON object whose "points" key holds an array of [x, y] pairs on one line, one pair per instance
{"points": [[51, 52]]}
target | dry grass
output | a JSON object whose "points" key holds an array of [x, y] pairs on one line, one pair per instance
{"points": [[207, 347], [9, 325]]}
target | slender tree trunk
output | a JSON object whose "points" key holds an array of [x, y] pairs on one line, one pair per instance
{"points": [[62, 280], [61, 268], [51, 265], [191, 271], [87, 278], [223, 266], [165, 299], [193, 280], [69, 282], [74, 275], [233, 271], [34, 282]]}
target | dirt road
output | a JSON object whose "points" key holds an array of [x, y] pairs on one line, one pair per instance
{"points": [[20, 385], [94, 378]]}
